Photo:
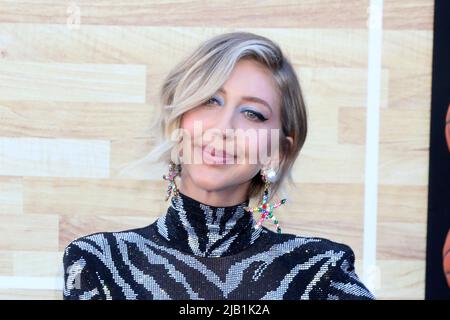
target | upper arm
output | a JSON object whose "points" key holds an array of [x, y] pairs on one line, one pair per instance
{"points": [[80, 278], [344, 282]]}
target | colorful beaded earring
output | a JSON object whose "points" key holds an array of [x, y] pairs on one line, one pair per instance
{"points": [[266, 209], [174, 170]]}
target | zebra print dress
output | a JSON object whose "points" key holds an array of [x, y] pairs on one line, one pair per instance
{"points": [[201, 252]]}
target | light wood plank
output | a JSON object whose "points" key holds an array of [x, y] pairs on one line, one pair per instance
{"points": [[35, 264], [344, 201], [403, 167], [29, 294], [337, 230], [32, 156], [401, 241], [411, 14], [338, 87], [72, 82], [51, 119], [11, 195], [127, 160], [401, 278], [6, 263], [142, 45], [403, 203], [408, 55], [394, 130], [72, 227], [330, 163], [194, 13], [118, 197], [29, 232]]}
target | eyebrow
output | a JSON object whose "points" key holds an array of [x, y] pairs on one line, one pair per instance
{"points": [[254, 99]]}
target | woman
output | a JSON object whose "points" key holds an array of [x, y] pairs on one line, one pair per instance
{"points": [[235, 89]]}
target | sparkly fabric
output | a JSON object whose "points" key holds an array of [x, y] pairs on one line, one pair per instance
{"points": [[201, 252]]}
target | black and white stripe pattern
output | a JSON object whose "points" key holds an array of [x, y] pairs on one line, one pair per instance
{"points": [[207, 231], [198, 252]]}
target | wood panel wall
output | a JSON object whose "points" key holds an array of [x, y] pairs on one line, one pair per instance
{"points": [[77, 98]]}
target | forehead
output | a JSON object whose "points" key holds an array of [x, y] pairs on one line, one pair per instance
{"points": [[251, 78]]}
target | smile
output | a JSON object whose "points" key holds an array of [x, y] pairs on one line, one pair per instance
{"points": [[213, 156]]}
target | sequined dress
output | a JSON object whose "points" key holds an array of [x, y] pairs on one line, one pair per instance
{"points": [[200, 252]]}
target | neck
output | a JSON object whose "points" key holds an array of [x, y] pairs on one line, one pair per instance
{"points": [[205, 230]]}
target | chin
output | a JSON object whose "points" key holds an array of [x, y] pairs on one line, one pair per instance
{"points": [[212, 178], [219, 177]]}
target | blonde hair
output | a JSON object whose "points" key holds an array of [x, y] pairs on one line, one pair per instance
{"points": [[198, 77]]}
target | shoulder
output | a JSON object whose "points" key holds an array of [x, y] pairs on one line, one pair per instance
{"points": [[88, 262], [82, 263], [330, 264], [315, 249], [309, 245], [87, 244], [94, 246], [84, 253]]}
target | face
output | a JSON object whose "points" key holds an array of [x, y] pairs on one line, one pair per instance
{"points": [[231, 132]]}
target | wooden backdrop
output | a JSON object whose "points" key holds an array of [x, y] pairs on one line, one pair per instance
{"points": [[78, 84]]}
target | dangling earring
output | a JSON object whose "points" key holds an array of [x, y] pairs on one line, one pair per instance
{"points": [[266, 209], [174, 170]]}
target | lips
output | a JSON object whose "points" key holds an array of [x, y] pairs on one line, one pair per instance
{"points": [[210, 154]]}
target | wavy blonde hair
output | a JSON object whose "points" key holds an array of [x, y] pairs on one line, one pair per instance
{"points": [[197, 78]]}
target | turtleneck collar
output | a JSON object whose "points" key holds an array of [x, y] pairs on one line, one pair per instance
{"points": [[207, 231]]}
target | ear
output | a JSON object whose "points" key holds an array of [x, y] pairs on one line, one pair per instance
{"points": [[290, 141], [275, 162]]}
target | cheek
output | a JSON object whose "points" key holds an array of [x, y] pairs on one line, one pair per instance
{"points": [[187, 121], [192, 123], [198, 114]]}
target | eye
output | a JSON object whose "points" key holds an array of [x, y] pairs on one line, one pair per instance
{"points": [[212, 100], [254, 116]]}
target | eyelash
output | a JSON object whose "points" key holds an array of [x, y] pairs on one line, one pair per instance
{"points": [[259, 116]]}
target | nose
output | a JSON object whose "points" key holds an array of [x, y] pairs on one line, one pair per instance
{"points": [[224, 123]]}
